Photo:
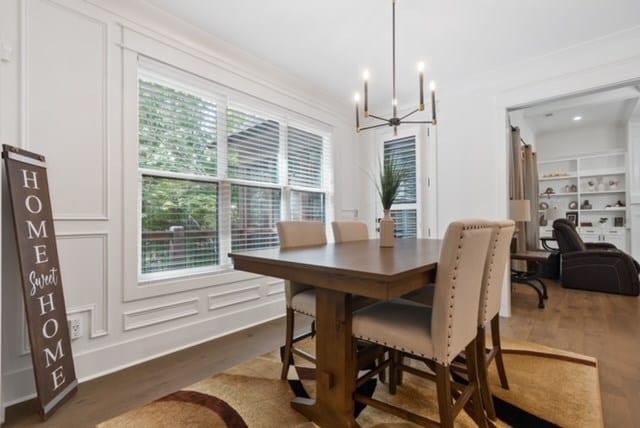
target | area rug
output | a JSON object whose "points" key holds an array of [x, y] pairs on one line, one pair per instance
{"points": [[548, 388]]}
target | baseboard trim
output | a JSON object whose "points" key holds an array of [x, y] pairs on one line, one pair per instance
{"points": [[99, 362]]}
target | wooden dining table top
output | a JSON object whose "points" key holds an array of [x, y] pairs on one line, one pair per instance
{"points": [[379, 273], [338, 271]]}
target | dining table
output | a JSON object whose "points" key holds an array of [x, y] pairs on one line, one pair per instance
{"points": [[338, 271]]}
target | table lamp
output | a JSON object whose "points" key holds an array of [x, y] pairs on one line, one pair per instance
{"points": [[519, 211]]}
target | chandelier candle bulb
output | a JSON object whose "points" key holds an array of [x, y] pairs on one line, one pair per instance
{"points": [[432, 86], [366, 93], [356, 98], [421, 70]]}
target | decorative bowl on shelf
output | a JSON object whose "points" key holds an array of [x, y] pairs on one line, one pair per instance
{"points": [[573, 205]]}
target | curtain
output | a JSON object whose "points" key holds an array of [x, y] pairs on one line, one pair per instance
{"points": [[531, 192], [524, 185]]}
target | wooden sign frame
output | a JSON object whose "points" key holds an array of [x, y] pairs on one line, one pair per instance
{"points": [[41, 279]]}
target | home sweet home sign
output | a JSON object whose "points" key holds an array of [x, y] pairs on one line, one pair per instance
{"points": [[41, 281]]}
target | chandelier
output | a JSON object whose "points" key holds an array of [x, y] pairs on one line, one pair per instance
{"points": [[394, 120]]}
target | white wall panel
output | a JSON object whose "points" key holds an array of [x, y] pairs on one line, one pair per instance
{"points": [[65, 95], [85, 278], [634, 216], [230, 301], [633, 135], [158, 314]]}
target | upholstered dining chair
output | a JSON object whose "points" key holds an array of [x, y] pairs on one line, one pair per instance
{"points": [[437, 334], [488, 314], [299, 297], [490, 299], [350, 230]]}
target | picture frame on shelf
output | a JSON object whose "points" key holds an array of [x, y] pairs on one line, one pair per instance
{"points": [[618, 221], [572, 217]]}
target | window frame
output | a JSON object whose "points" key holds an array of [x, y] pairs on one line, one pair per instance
{"points": [[226, 98], [407, 131]]}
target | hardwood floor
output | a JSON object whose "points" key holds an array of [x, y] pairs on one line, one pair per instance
{"points": [[604, 326], [601, 325]]}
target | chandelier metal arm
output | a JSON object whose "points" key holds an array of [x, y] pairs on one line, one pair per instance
{"points": [[409, 114], [378, 117], [373, 126]]}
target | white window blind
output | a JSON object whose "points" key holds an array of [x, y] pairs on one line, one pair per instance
{"points": [[403, 151], [208, 164], [254, 214], [253, 147], [403, 211], [177, 134], [176, 130], [305, 152], [179, 224], [406, 223], [307, 206]]}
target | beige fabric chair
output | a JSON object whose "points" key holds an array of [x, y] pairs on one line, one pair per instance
{"points": [[350, 230], [490, 299], [299, 297], [439, 333]]}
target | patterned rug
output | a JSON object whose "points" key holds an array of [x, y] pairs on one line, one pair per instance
{"points": [[548, 388]]}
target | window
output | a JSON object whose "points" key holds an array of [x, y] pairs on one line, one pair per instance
{"points": [[177, 160], [217, 176], [404, 209]]}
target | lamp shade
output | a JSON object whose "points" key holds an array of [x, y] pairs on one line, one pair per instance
{"points": [[520, 209]]}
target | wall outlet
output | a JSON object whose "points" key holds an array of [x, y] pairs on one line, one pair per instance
{"points": [[75, 328]]}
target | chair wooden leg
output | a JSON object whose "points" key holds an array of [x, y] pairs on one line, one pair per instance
{"points": [[473, 363], [483, 377], [445, 400], [288, 344], [495, 338]]}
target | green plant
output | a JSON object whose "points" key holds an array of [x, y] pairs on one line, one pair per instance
{"points": [[392, 173], [603, 220]]}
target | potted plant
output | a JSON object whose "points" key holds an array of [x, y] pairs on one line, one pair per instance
{"points": [[603, 221], [392, 173]]}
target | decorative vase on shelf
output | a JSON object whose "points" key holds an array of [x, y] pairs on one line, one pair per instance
{"points": [[387, 230]]}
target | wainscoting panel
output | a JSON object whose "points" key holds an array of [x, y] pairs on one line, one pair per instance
{"points": [[275, 287], [223, 302], [159, 314], [66, 60], [85, 278]]}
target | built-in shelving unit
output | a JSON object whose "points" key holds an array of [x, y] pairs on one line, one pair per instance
{"points": [[589, 190]]}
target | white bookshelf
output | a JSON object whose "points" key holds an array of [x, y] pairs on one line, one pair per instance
{"points": [[596, 185]]}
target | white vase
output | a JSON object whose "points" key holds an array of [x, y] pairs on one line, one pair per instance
{"points": [[387, 230]]}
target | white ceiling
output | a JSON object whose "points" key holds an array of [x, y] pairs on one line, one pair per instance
{"points": [[608, 107], [329, 42]]}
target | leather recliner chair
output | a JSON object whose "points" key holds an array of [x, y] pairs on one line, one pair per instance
{"points": [[594, 266]]}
